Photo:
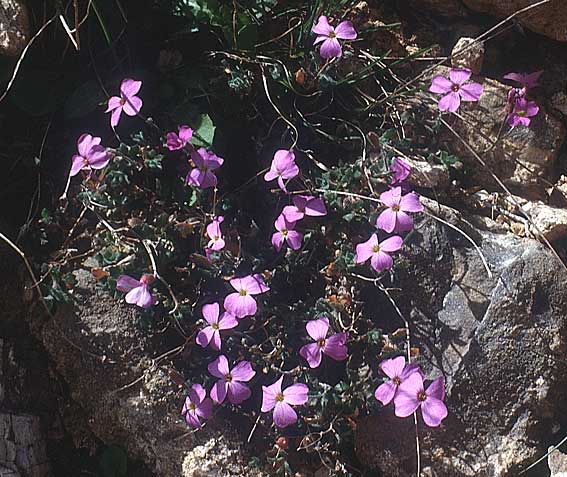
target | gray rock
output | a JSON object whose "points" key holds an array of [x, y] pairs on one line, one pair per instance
{"points": [[497, 340], [557, 462], [14, 27], [468, 53]]}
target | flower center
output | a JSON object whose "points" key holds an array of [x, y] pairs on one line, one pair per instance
{"points": [[321, 343], [284, 232], [85, 161], [421, 396], [455, 88], [332, 34], [279, 397], [395, 208], [397, 381], [376, 248], [216, 237], [521, 112], [203, 168], [242, 292], [215, 326], [228, 378], [192, 407], [122, 101]]}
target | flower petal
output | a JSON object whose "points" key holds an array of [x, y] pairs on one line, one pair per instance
{"points": [[322, 27], [238, 392], [459, 75], [433, 411], [365, 250], [196, 394], [450, 102], [387, 220], [210, 312], [240, 306], [113, 103], [77, 165], [318, 329], [312, 354], [385, 392], [440, 85], [205, 409], [227, 321], [437, 388], [219, 391], [391, 244], [393, 367], [406, 399], [243, 372], [124, 283], [204, 336], [219, 367], [115, 116], [381, 261], [296, 394], [269, 395], [132, 106], [98, 157], [294, 239], [410, 203], [130, 87], [335, 347], [471, 91], [331, 48], [284, 415], [404, 223], [254, 284], [345, 31]]}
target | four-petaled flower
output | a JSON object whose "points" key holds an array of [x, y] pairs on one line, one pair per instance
{"points": [[230, 380], [411, 395], [91, 155], [329, 37], [397, 370], [197, 406], [400, 171], [281, 401], [283, 167], [211, 334], [216, 240], [175, 141], [455, 89], [286, 233], [378, 253], [332, 346], [127, 101], [522, 112], [242, 303], [137, 291], [205, 162], [304, 205], [527, 80], [395, 217]]}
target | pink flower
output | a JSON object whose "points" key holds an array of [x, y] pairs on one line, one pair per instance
{"points": [[378, 253], [411, 395], [455, 90], [304, 205], [127, 101], [394, 218], [333, 346], [283, 167], [91, 155], [214, 233], [175, 142], [137, 291], [230, 382], [400, 171], [281, 401], [205, 162], [527, 80], [211, 334], [329, 37], [197, 406], [242, 303], [522, 112], [286, 233], [397, 370]]}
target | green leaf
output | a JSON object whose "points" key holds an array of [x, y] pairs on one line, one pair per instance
{"points": [[204, 132]]}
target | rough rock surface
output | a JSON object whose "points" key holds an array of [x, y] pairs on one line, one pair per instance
{"points": [[497, 341], [549, 19], [14, 27], [523, 158], [106, 355], [468, 53], [557, 462]]}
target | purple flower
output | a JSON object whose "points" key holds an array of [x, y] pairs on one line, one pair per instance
{"points": [[175, 142], [242, 303], [527, 80], [378, 253], [197, 406], [329, 37], [394, 218], [91, 155], [283, 167], [522, 112], [214, 233], [397, 370], [137, 291], [127, 101], [333, 346], [455, 90], [211, 334], [286, 233], [281, 401], [205, 162], [400, 171], [304, 205], [230, 382], [411, 395]]}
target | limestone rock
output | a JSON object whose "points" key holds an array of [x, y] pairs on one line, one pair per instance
{"points": [[557, 462], [549, 221], [427, 175], [14, 27], [494, 338], [468, 53]]}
